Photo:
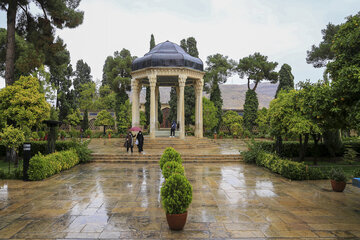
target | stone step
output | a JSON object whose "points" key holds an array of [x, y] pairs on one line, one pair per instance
{"points": [[136, 155], [157, 162], [127, 158]]}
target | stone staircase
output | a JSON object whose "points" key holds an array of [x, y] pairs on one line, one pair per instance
{"points": [[154, 158], [192, 150]]}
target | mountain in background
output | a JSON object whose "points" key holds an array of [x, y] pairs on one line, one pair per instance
{"points": [[233, 95]]}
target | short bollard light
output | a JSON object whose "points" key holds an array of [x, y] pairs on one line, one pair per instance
{"points": [[26, 160]]}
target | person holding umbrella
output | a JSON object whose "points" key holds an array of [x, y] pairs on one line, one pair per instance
{"points": [[129, 142], [140, 141]]}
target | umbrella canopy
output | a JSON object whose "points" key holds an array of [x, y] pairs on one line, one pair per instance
{"points": [[134, 129]]}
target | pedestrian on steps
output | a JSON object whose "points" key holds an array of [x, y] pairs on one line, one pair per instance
{"points": [[129, 142], [140, 140], [172, 130]]}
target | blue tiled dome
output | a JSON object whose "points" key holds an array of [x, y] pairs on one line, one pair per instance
{"points": [[167, 54]]}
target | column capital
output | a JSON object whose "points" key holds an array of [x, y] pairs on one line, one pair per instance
{"points": [[199, 84], [134, 83], [152, 80], [182, 80]]}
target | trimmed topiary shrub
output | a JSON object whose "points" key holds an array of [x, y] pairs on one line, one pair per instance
{"points": [[170, 154], [176, 194], [171, 168], [41, 167]]}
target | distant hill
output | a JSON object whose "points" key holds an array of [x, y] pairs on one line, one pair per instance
{"points": [[233, 95]]}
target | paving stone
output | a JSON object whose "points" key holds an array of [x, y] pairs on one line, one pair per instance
{"points": [[230, 200]]}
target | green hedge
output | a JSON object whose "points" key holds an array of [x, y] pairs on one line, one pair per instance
{"points": [[291, 148], [259, 155], [41, 167], [41, 147], [287, 168]]}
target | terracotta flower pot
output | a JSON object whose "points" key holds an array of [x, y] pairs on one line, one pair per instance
{"points": [[215, 136], [109, 135], [338, 186], [176, 221]]}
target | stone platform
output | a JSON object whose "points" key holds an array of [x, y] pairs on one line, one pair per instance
{"points": [[192, 150]]}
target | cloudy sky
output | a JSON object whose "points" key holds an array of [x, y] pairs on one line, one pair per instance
{"points": [[283, 30]]}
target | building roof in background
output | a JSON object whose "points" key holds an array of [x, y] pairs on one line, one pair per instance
{"points": [[233, 95]]}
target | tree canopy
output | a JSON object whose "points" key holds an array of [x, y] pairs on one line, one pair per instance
{"points": [[345, 69], [37, 26], [104, 118], [210, 119], [257, 68], [319, 56], [23, 104]]}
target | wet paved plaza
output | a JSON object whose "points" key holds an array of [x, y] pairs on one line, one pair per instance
{"points": [[111, 201]]}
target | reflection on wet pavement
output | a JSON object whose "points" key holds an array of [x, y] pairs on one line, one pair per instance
{"points": [[123, 201]]}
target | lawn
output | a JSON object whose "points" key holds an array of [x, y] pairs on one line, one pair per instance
{"points": [[326, 166], [4, 169]]}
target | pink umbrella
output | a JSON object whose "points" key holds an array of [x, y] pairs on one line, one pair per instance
{"points": [[134, 129]]}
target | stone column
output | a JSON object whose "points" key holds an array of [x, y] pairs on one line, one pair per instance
{"points": [[199, 108], [137, 115], [196, 109], [156, 107], [177, 105], [182, 80], [134, 108], [152, 80]]}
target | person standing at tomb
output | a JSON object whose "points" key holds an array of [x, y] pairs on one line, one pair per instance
{"points": [[172, 130]]}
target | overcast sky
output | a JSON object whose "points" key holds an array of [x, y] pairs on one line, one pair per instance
{"points": [[283, 30]]}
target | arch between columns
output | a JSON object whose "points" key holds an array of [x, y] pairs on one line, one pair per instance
{"points": [[149, 77]]}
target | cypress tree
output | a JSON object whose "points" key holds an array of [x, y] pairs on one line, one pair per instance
{"points": [[286, 82], [152, 41], [250, 109], [85, 122], [147, 96], [215, 97], [173, 105], [189, 45], [286, 79]]}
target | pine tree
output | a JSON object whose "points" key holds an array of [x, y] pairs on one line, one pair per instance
{"points": [[37, 26]]}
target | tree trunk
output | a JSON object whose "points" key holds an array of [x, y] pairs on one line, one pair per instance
{"points": [[316, 138], [10, 43], [11, 156], [332, 141], [300, 147], [304, 146], [278, 145]]}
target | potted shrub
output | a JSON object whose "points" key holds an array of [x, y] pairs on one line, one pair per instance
{"points": [[338, 179], [176, 195], [34, 136], [109, 132], [221, 135], [62, 134], [172, 167], [41, 135], [88, 133], [170, 154]]}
